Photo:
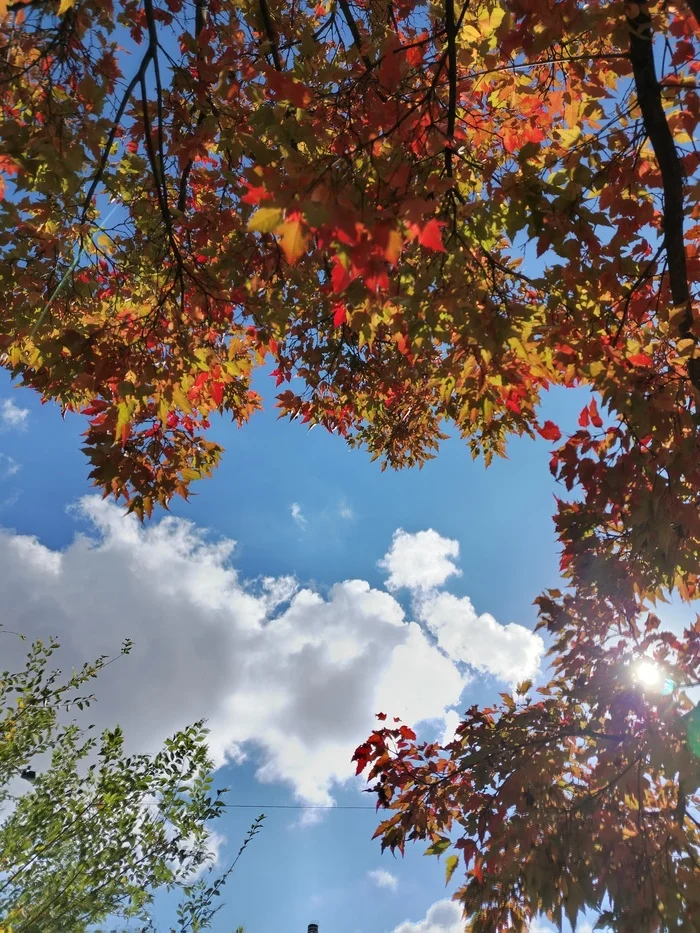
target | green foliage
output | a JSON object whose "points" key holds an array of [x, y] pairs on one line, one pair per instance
{"points": [[98, 833]]}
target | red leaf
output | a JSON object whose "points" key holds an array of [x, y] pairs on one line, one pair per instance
{"points": [[596, 420], [340, 277], [407, 733], [549, 431], [640, 359], [217, 392], [381, 716], [339, 315], [361, 756], [584, 418], [431, 237], [255, 194]]}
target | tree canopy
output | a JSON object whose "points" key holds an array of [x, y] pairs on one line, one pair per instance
{"points": [[427, 214], [96, 834]]}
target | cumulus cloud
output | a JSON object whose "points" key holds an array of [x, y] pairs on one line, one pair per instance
{"points": [[297, 514], [423, 562], [276, 669], [509, 652], [442, 917], [420, 561], [384, 879], [11, 415], [280, 671]]}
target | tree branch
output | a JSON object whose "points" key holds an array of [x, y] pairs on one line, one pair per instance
{"points": [[659, 133], [97, 177], [200, 19], [270, 34], [451, 30], [354, 32]]}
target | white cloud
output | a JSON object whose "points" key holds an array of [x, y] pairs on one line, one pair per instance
{"points": [[8, 466], [420, 561], [11, 415], [344, 511], [284, 671], [452, 720], [442, 917], [509, 652], [541, 926], [384, 879], [297, 514]]}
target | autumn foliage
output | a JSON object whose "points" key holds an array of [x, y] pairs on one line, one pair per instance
{"points": [[427, 215]]}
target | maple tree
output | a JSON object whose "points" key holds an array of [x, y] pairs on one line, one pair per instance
{"points": [[427, 214]]}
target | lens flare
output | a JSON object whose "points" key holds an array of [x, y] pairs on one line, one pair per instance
{"points": [[648, 673]]}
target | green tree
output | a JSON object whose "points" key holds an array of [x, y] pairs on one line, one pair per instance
{"points": [[98, 833]]}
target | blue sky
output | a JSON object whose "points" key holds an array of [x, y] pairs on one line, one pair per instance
{"points": [[300, 668]]}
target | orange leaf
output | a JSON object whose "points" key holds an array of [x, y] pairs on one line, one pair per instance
{"points": [[293, 239]]}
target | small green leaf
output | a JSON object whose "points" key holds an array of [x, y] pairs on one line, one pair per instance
{"points": [[265, 220], [437, 848], [451, 863]]}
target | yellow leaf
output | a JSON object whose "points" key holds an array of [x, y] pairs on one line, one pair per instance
{"points": [[180, 399], [393, 246], [121, 432], [293, 240], [572, 112], [64, 6], [3, 11], [451, 863], [264, 220]]}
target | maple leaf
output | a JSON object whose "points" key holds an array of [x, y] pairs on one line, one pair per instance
{"points": [[266, 220], [217, 392], [340, 276], [293, 239], [596, 420], [549, 431], [431, 236], [640, 359]]}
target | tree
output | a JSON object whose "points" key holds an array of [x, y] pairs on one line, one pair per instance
{"points": [[98, 833], [351, 187]]}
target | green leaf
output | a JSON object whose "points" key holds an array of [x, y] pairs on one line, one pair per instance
{"points": [[265, 220], [437, 848], [451, 863]]}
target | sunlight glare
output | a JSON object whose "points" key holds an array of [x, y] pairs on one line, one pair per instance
{"points": [[648, 673]]}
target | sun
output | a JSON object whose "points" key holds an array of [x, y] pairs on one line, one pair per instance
{"points": [[648, 673]]}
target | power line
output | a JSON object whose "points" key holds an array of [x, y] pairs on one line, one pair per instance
{"points": [[294, 806]]}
